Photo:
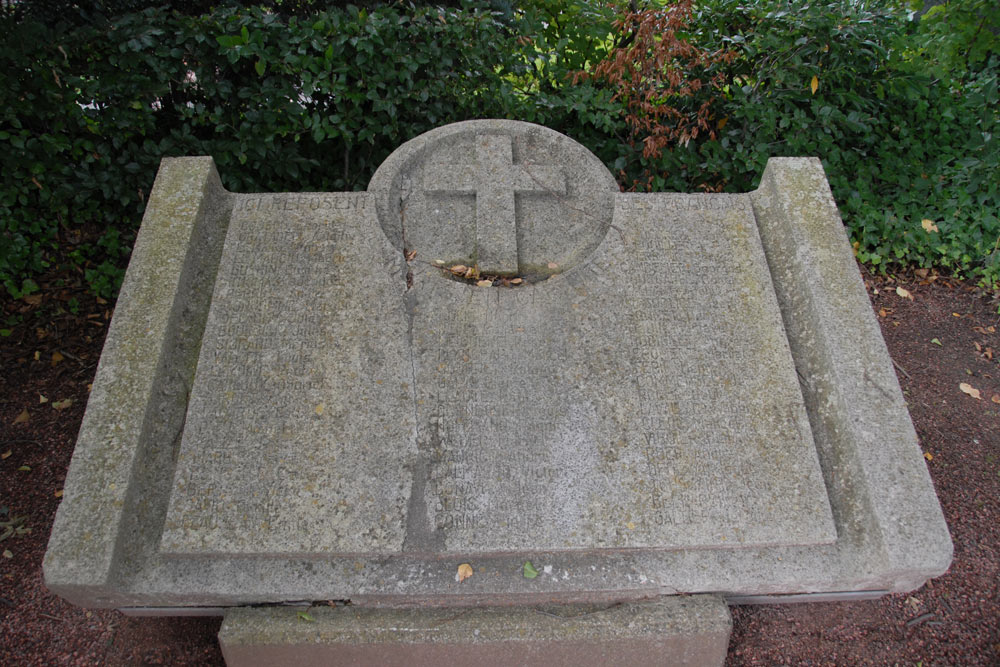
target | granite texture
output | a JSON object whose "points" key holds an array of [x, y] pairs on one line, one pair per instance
{"points": [[671, 631], [686, 394], [513, 198], [135, 413]]}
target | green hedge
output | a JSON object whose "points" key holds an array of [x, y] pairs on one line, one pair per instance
{"points": [[313, 104], [317, 101]]}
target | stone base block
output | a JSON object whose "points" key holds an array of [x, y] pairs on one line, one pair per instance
{"points": [[669, 631]]}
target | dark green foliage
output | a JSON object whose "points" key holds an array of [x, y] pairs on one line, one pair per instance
{"points": [[299, 98], [898, 146], [282, 104]]}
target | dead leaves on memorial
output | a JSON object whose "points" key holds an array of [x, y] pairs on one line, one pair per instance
{"points": [[472, 275], [464, 572]]}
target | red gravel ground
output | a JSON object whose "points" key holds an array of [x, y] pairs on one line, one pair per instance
{"points": [[946, 335]]}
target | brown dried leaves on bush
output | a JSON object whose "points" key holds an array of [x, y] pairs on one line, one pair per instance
{"points": [[659, 74]]}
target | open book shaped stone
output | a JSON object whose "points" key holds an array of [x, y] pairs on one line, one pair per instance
{"points": [[641, 394]]}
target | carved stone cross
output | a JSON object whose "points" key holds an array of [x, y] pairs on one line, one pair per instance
{"points": [[495, 181]]}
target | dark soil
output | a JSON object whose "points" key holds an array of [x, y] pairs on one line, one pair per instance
{"points": [[953, 620]]}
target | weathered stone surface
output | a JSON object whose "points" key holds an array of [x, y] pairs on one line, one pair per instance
{"points": [[136, 408], [300, 425], [454, 194], [670, 631], [687, 393]]}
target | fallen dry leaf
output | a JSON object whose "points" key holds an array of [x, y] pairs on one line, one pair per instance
{"points": [[464, 572], [996, 398], [920, 273], [410, 255], [928, 225], [42, 399], [516, 281], [970, 390], [33, 299], [6, 455], [814, 84], [63, 404], [23, 417], [319, 409], [439, 262], [882, 312], [904, 293], [459, 269], [553, 265], [56, 358], [928, 456], [59, 493], [485, 283]]}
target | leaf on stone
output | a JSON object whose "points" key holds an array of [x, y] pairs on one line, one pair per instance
{"points": [[529, 570], [814, 84], [439, 262], [970, 390], [485, 283], [935, 341], [928, 225], [23, 417], [904, 293], [304, 615], [553, 265], [63, 404], [56, 358], [516, 281], [411, 255], [464, 572], [319, 409], [459, 269]]}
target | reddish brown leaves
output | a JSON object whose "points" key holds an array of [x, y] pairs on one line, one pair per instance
{"points": [[658, 74]]}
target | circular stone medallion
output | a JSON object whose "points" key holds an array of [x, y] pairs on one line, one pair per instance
{"points": [[509, 197]]}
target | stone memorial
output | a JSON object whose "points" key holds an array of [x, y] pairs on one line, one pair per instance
{"points": [[492, 381]]}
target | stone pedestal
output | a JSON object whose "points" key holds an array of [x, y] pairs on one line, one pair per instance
{"points": [[681, 631]]}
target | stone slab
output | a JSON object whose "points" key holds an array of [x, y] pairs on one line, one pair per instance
{"points": [[673, 631], [687, 394], [582, 412]]}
